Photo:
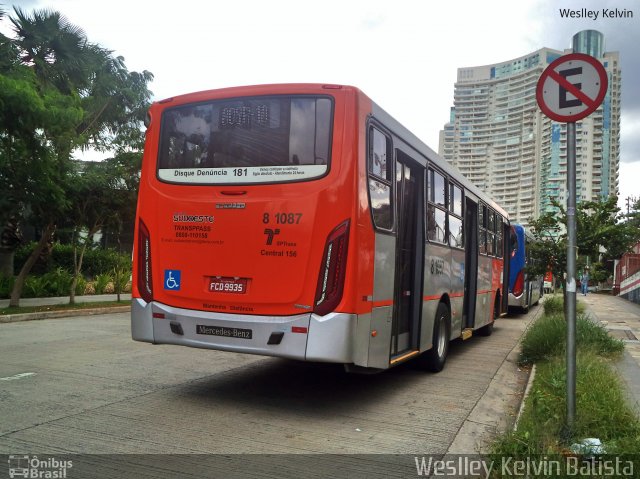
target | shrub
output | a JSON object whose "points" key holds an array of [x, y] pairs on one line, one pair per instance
{"points": [[121, 278], [81, 286], [553, 305], [57, 282], [101, 261], [95, 261], [548, 337], [35, 287], [90, 288], [53, 283], [101, 283], [6, 285], [600, 407]]}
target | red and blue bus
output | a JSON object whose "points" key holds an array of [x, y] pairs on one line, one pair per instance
{"points": [[302, 221], [525, 289]]}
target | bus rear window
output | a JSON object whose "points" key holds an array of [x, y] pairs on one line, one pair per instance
{"points": [[246, 140]]}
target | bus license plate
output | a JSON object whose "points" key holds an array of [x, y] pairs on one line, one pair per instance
{"points": [[228, 285]]}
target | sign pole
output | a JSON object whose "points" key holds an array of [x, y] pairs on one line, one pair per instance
{"points": [[571, 274], [570, 89]]}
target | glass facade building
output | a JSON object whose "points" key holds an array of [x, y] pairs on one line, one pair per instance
{"points": [[498, 137]]}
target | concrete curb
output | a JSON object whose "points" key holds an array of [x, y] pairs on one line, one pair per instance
{"points": [[40, 315], [527, 390]]}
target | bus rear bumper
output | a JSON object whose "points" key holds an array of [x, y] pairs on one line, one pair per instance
{"points": [[516, 301], [303, 337]]}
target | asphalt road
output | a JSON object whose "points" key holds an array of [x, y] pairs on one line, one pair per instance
{"points": [[82, 386]]}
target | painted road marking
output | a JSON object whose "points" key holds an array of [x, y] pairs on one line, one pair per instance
{"points": [[17, 376]]}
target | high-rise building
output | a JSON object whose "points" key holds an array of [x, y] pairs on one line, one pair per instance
{"points": [[498, 137]]}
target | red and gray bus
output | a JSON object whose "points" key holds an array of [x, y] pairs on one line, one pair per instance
{"points": [[303, 221]]}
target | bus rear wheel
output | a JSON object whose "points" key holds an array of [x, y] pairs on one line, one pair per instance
{"points": [[434, 359]]}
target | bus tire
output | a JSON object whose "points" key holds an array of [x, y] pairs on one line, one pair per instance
{"points": [[435, 358]]}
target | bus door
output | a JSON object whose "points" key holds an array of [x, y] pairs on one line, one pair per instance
{"points": [[409, 256], [470, 263]]}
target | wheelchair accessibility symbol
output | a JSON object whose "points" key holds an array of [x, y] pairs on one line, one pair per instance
{"points": [[172, 279]]}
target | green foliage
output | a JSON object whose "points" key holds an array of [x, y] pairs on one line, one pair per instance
{"points": [[102, 280], [6, 285], [598, 225], [599, 272], [60, 93], [105, 260], [601, 410], [121, 276], [81, 285], [54, 283], [96, 260], [56, 277], [548, 335], [35, 287], [633, 215], [553, 305]]}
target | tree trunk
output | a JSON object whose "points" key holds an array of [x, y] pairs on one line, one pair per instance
{"points": [[16, 292], [10, 238], [72, 292], [77, 261], [6, 263]]}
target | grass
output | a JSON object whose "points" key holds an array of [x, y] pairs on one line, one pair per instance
{"points": [[554, 304], [601, 411], [547, 338], [601, 408], [63, 307]]}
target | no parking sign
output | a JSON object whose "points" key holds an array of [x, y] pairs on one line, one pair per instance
{"points": [[572, 87]]}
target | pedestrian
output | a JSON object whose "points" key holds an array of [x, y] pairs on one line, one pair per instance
{"points": [[584, 281]]}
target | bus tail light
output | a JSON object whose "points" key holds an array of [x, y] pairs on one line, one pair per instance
{"points": [[332, 270], [518, 287], [145, 284]]}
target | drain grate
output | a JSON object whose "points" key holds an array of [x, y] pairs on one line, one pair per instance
{"points": [[624, 334]]}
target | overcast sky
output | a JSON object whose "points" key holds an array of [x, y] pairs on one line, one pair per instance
{"points": [[403, 53]]}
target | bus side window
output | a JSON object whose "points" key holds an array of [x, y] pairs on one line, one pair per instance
{"points": [[499, 241], [380, 189], [455, 216], [513, 240], [482, 228], [455, 200], [438, 189], [436, 204], [491, 236]]}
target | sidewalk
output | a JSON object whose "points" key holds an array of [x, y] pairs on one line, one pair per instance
{"points": [[10, 318], [622, 319], [492, 413]]}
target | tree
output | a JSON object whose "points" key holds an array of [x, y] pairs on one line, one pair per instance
{"points": [[100, 196], [550, 248], [599, 228], [59, 93], [32, 175], [634, 215]]}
